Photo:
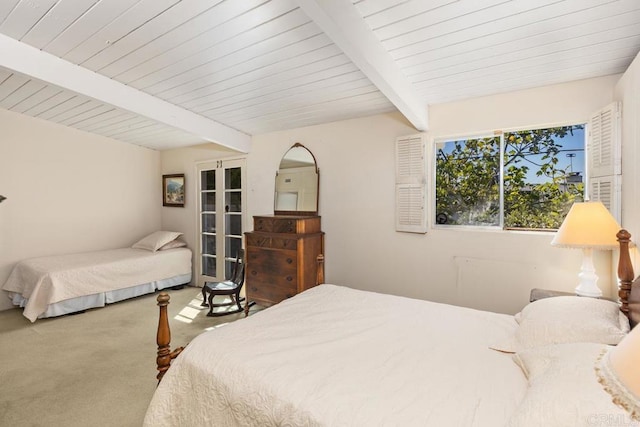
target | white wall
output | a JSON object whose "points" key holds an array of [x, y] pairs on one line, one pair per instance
{"points": [[492, 270], [69, 191], [628, 91]]}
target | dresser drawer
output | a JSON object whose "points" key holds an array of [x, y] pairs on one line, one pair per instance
{"points": [[264, 240], [266, 291], [286, 224], [265, 261], [275, 225]]}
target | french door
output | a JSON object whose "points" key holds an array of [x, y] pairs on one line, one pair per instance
{"points": [[221, 207]]}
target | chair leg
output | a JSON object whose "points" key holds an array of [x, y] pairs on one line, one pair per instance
{"points": [[211, 295], [204, 297]]}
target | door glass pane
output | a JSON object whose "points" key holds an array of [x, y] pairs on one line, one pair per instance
{"points": [[209, 266], [209, 244], [233, 201], [233, 225], [208, 223], [209, 201], [232, 244], [208, 180], [232, 179]]}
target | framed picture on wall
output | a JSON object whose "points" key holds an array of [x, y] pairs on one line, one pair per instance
{"points": [[173, 190]]}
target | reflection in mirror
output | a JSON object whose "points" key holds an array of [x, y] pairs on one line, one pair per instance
{"points": [[297, 183]]}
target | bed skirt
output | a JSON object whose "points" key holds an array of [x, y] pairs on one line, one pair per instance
{"points": [[74, 305]]}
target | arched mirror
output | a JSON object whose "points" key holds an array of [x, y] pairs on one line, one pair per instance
{"points": [[297, 183]]}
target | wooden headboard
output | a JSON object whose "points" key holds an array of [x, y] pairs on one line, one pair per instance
{"points": [[629, 291]]}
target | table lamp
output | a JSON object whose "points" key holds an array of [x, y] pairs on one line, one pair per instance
{"points": [[618, 373], [588, 226]]}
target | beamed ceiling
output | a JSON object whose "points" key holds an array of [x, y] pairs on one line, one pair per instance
{"points": [[167, 73]]}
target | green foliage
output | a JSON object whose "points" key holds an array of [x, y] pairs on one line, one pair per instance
{"points": [[468, 180]]}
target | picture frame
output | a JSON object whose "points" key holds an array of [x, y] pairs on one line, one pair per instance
{"points": [[173, 193]]}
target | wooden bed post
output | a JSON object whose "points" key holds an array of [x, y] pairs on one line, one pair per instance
{"points": [[163, 338], [625, 270]]}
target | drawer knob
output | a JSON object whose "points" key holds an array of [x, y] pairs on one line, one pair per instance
{"points": [[253, 272], [289, 260], [289, 278]]}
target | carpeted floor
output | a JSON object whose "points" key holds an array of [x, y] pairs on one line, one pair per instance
{"points": [[91, 369]]}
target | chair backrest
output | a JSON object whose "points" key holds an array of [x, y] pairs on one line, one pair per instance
{"points": [[237, 275]]}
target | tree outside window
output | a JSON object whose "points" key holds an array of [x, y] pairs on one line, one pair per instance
{"points": [[525, 179]]}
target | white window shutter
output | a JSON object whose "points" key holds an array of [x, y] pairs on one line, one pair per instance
{"points": [[411, 184], [604, 159], [607, 189], [603, 145]]}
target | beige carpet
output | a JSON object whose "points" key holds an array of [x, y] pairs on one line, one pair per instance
{"points": [[91, 369]]}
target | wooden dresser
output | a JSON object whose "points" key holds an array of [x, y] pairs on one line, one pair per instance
{"points": [[282, 254]]}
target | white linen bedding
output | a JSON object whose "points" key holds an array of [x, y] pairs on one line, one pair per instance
{"points": [[336, 356], [48, 280]]}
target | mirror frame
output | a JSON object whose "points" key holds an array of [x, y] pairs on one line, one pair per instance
{"points": [[299, 213]]}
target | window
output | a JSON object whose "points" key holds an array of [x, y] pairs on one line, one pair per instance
{"points": [[523, 179]]}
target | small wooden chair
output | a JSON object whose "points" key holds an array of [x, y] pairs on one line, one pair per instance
{"points": [[230, 288]]}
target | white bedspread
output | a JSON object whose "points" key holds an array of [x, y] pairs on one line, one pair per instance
{"points": [[48, 280], [335, 356]]}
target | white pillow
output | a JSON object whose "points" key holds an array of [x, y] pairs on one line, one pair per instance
{"points": [[173, 244], [567, 319], [564, 388], [156, 240]]}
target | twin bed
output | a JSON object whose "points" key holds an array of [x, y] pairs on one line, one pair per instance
{"points": [[335, 356], [57, 285]]}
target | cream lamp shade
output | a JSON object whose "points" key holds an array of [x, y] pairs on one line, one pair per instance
{"points": [[588, 226], [618, 372]]}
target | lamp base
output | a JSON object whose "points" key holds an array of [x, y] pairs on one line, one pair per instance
{"points": [[588, 279]]}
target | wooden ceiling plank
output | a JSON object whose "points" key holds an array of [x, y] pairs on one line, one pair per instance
{"points": [[107, 117], [11, 84], [312, 51], [25, 91], [418, 10], [259, 111], [254, 56], [6, 6], [186, 13], [517, 44], [36, 99], [60, 17], [519, 13], [62, 107], [24, 16], [447, 18], [560, 50], [118, 122], [370, 7], [338, 83], [48, 68], [135, 17], [485, 75], [87, 25], [526, 80], [180, 43], [49, 103], [297, 77], [82, 108], [94, 112], [214, 43], [345, 26]]}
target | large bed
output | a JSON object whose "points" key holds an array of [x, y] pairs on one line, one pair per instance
{"points": [[335, 356], [57, 285]]}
